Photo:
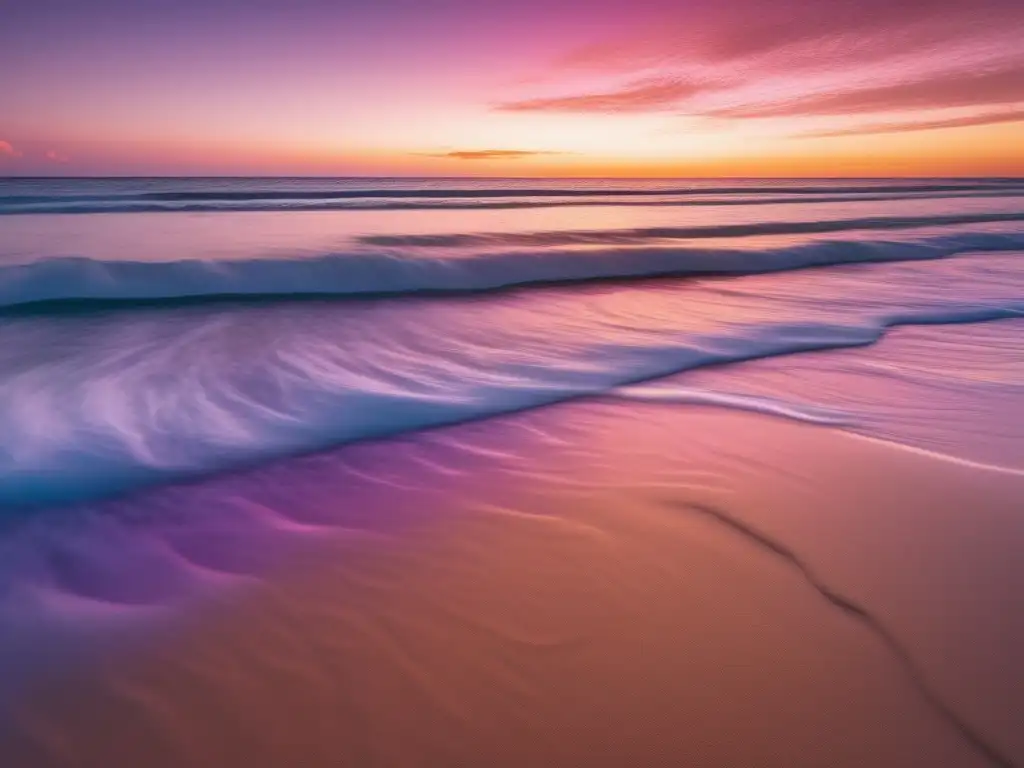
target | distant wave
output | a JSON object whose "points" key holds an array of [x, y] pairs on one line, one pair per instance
{"points": [[428, 192], [394, 272], [457, 198]]}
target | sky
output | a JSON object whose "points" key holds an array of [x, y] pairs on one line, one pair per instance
{"points": [[526, 88]]}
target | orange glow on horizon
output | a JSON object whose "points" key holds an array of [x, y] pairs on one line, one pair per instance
{"points": [[654, 89]]}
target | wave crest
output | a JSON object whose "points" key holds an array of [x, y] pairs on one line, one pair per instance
{"points": [[388, 272]]}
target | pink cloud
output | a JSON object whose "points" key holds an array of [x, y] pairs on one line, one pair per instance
{"points": [[953, 89], [812, 30], [801, 59], [852, 29], [643, 96], [905, 126], [56, 157], [7, 150]]}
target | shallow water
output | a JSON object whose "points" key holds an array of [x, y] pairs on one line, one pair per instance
{"points": [[103, 397]]}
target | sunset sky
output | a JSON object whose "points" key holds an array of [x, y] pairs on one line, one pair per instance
{"points": [[527, 88]]}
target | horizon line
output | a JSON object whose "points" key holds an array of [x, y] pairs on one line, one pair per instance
{"points": [[36, 177]]}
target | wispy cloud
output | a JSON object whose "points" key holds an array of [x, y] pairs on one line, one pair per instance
{"points": [[7, 150], [949, 89], [56, 157], [850, 30], [725, 32], [803, 59], [903, 126], [641, 96], [487, 154]]}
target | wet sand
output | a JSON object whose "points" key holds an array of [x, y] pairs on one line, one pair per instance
{"points": [[599, 583]]}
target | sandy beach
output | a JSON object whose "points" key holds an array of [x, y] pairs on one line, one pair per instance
{"points": [[511, 384], [597, 583]]}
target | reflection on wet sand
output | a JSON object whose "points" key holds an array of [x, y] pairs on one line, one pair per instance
{"points": [[597, 583]]}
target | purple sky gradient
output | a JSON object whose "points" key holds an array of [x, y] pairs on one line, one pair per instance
{"points": [[519, 88]]}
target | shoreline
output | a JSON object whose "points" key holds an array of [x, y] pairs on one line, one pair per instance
{"points": [[538, 589]]}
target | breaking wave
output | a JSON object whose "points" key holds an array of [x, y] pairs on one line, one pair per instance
{"points": [[371, 272]]}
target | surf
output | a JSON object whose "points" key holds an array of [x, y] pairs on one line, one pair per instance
{"points": [[367, 272], [100, 403]]}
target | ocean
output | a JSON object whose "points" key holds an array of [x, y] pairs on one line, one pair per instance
{"points": [[157, 329], [202, 378]]}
